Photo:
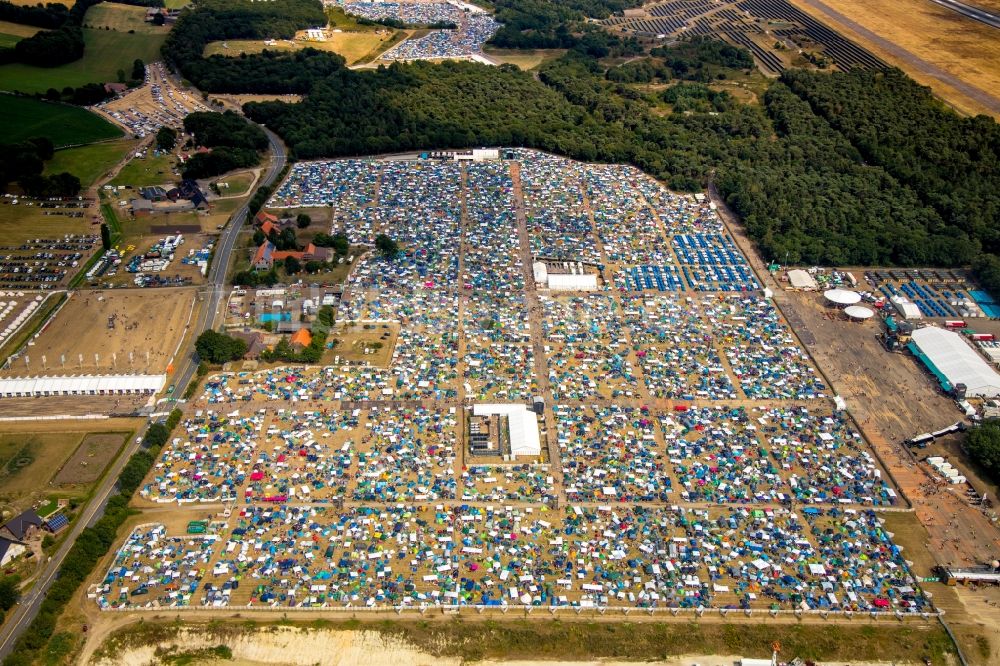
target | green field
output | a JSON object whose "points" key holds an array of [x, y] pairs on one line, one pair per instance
{"points": [[64, 125], [150, 170], [88, 163], [106, 52], [9, 40], [122, 18]]}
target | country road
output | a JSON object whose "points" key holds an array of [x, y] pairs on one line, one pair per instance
{"points": [[21, 615]]}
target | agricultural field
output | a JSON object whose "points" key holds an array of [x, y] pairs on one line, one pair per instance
{"points": [[64, 125], [122, 18], [89, 163], [40, 459], [106, 52], [524, 59], [352, 45], [235, 184], [22, 222], [147, 329], [967, 50], [12, 33], [89, 460]]}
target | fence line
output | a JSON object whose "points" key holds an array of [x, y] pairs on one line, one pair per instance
{"points": [[528, 610]]}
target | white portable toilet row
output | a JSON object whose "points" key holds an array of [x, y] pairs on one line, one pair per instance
{"points": [[946, 469]]}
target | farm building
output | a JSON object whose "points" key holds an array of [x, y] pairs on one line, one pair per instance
{"points": [[22, 526], [30, 387], [954, 362], [265, 255]]}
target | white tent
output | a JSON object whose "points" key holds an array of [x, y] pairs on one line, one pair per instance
{"points": [[957, 361], [859, 312], [27, 387], [801, 279], [522, 425], [906, 308], [842, 296], [571, 282]]}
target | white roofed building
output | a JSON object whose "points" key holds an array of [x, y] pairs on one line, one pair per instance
{"points": [[31, 387], [522, 426], [959, 363]]}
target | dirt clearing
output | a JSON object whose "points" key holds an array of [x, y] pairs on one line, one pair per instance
{"points": [[147, 328]]}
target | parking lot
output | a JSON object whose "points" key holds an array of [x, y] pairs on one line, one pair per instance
{"points": [[159, 102]]}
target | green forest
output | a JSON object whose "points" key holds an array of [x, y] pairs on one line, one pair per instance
{"points": [[859, 168]]}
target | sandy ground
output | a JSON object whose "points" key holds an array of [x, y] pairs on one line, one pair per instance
{"points": [[290, 646], [153, 322]]}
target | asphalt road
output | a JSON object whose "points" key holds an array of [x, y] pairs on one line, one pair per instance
{"points": [[973, 13], [21, 615], [220, 265]]}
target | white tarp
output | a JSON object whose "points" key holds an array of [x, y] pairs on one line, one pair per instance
{"points": [[959, 362], [801, 279], [571, 282]]}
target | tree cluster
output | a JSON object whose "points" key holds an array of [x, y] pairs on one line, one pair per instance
{"points": [[540, 24], [219, 348], [283, 350], [224, 129], [49, 16], [235, 143], [982, 443], [24, 162]]}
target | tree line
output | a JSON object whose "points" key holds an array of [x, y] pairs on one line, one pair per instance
{"points": [[805, 170], [24, 163], [235, 143]]}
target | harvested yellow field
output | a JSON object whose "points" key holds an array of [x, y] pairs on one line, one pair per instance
{"points": [[16, 29], [524, 60], [352, 45], [964, 49]]}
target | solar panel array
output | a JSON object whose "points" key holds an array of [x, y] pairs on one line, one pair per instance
{"points": [[57, 522], [736, 21]]}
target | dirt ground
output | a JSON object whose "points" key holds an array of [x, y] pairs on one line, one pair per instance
{"points": [[90, 459], [966, 49], [353, 340], [149, 328]]}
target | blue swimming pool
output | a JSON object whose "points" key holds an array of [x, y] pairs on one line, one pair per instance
{"points": [[275, 316]]}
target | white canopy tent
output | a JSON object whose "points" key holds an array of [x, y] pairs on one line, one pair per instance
{"points": [[859, 312], [29, 387], [842, 296], [801, 279], [957, 361]]}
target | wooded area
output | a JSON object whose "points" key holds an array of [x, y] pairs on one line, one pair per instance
{"points": [[860, 168]]}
